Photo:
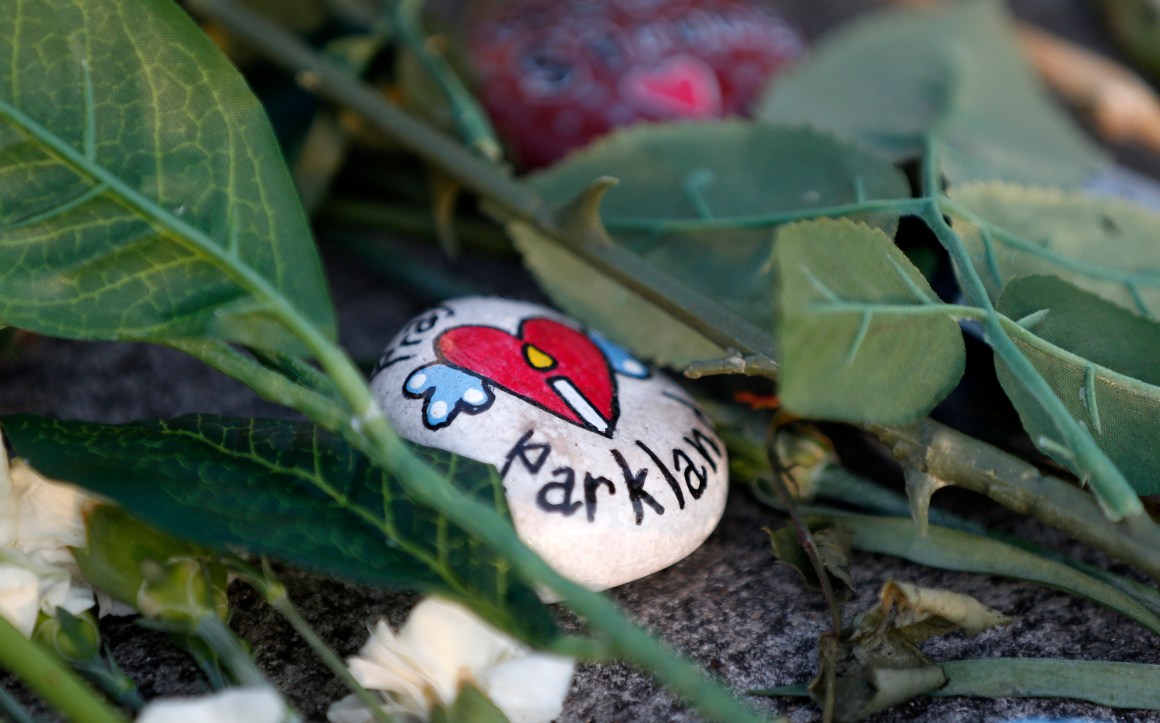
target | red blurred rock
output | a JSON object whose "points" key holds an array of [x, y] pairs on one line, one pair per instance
{"points": [[555, 74]]}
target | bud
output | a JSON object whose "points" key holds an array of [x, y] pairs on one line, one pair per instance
{"points": [[804, 453], [181, 591], [74, 638]]}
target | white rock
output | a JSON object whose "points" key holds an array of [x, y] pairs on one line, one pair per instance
{"points": [[611, 472]]}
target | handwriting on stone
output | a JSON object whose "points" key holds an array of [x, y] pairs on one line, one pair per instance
{"points": [[597, 450], [649, 487]]}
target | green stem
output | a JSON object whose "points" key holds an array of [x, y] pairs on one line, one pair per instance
{"points": [[470, 121], [11, 710], [485, 524], [1112, 489], [269, 384], [51, 679], [902, 206], [213, 632], [1019, 486], [274, 593]]}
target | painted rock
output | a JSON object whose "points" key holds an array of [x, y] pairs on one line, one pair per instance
{"points": [[554, 74], [611, 471]]}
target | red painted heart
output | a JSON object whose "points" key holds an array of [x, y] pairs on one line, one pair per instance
{"points": [[548, 364], [681, 86]]}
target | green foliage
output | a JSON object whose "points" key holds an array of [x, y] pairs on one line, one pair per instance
{"points": [[293, 492], [699, 202], [892, 77], [471, 706], [876, 664], [832, 545], [143, 195], [1104, 246], [948, 549], [1116, 685], [119, 548], [1100, 359], [863, 335]]}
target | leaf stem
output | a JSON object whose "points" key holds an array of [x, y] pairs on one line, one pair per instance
{"points": [[11, 710], [213, 632], [51, 679], [274, 593], [902, 206], [267, 383], [470, 120], [1112, 489]]}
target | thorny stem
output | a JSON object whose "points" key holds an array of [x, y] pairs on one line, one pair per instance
{"points": [[1019, 486]]}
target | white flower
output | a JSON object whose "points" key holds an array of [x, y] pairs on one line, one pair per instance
{"points": [[39, 521], [441, 647], [233, 705]]}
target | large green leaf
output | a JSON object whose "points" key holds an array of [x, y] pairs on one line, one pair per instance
{"points": [[1106, 246], [1101, 361], [699, 201], [862, 335], [894, 77], [142, 192], [291, 491]]}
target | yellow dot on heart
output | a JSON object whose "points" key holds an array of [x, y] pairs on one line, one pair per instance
{"points": [[537, 358]]}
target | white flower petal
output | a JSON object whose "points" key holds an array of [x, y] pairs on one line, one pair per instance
{"points": [[19, 597], [235, 705], [58, 591], [453, 644], [530, 689], [49, 513], [106, 605], [348, 710], [443, 645], [382, 664]]}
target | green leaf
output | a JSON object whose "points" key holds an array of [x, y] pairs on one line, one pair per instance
{"points": [[1100, 360], [142, 192], [1105, 246], [471, 706], [876, 664], [949, 549], [699, 201], [863, 336], [290, 491], [1116, 685], [119, 548], [892, 77]]}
